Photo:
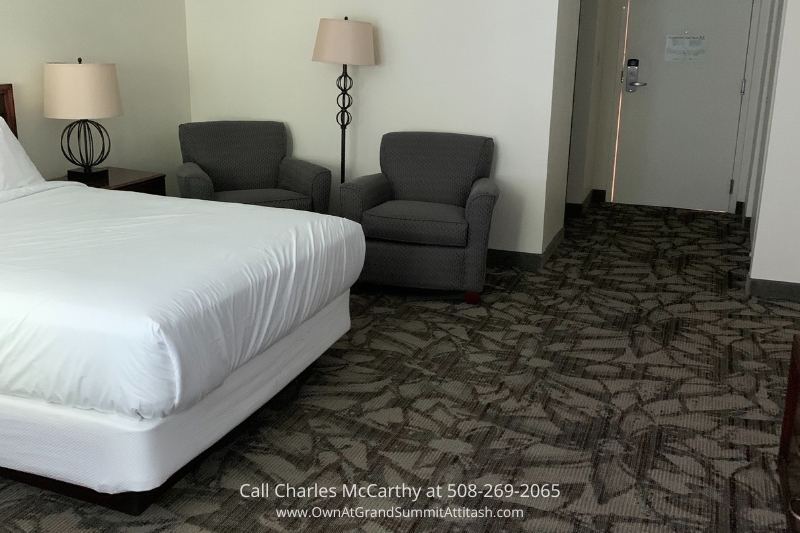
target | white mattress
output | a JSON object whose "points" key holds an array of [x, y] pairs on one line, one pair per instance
{"points": [[142, 305], [112, 454]]}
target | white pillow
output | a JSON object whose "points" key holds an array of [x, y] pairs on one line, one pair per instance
{"points": [[16, 168]]}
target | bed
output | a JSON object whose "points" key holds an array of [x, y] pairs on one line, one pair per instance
{"points": [[136, 331]]}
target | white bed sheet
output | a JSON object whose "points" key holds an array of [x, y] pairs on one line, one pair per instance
{"points": [[141, 305], [112, 454]]}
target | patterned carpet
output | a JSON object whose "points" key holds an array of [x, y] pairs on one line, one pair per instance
{"points": [[632, 371]]}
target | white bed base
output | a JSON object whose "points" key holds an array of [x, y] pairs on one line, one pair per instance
{"points": [[112, 454]]}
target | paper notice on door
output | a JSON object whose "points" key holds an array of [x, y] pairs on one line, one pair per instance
{"points": [[685, 47]]}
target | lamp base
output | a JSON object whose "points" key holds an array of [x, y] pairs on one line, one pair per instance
{"points": [[94, 175], [86, 150]]}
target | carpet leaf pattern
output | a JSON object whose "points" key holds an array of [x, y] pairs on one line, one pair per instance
{"points": [[632, 370]]}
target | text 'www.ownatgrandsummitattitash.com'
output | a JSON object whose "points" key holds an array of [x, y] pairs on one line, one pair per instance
{"points": [[405, 492]]}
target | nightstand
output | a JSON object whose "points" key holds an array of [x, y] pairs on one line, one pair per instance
{"points": [[123, 179]]}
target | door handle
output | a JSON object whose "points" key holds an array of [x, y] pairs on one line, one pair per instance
{"points": [[632, 76]]}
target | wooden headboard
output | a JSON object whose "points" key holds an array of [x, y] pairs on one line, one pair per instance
{"points": [[7, 107]]}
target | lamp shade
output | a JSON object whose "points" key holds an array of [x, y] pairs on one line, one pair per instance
{"points": [[346, 42], [77, 91]]}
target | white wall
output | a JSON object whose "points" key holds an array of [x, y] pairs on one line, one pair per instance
{"points": [[147, 41], [470, 66], [776, 252], [561, 117]]}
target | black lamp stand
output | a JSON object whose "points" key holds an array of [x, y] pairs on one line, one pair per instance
{"points": [[343, 117], [86, 155]]}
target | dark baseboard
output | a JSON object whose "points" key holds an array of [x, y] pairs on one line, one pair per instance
{"points": [[777, 290], [558, 239], [573, 211], [523, 260], [576, 210], [595, 196], [598, 196]]}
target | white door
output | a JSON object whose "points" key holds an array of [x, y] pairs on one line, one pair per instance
{"points": [[677, 134]]}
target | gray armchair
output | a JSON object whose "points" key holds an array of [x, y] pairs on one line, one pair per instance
{"points": [[426, 216], [245, 162]]}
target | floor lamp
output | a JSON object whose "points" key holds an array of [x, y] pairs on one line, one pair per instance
{"points": [[344, 42]]}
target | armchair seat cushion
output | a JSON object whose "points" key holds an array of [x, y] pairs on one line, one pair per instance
{"points": [[416, 222], [267, 197]]}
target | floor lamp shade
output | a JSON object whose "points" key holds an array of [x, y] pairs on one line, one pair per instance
{"points": [[346, 42], [77, 91], [83, 93]]}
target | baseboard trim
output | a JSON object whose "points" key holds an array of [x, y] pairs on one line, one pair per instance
{"points": [[770, 289], [524, 260], [558, 239], [507, 258], [573, 211], [595, 196], [576, 210]]}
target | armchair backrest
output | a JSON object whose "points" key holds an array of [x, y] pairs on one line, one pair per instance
{"points": [[236, 155], [435, 167]]}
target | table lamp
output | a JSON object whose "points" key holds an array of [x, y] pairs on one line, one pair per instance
{"points": [[83, 92], [345, 42]]}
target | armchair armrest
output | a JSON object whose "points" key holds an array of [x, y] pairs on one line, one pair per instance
{"points": [[307, 178], [363, 193], [483, 195], [193, 182], [479, 209]]}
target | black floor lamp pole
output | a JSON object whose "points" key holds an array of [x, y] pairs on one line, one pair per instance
{"points": [[343, 117]]}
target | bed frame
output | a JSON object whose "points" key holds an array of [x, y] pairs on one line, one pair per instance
{"points": [[221, 415], [7, 111], [131, 503]]}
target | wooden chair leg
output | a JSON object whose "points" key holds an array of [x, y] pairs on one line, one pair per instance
{"points": [[472, 298]]}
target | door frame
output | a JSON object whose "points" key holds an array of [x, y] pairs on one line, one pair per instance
{"points": [[765, 33], [775, 33], [748, 109], [760, 60], [771, 27]]}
